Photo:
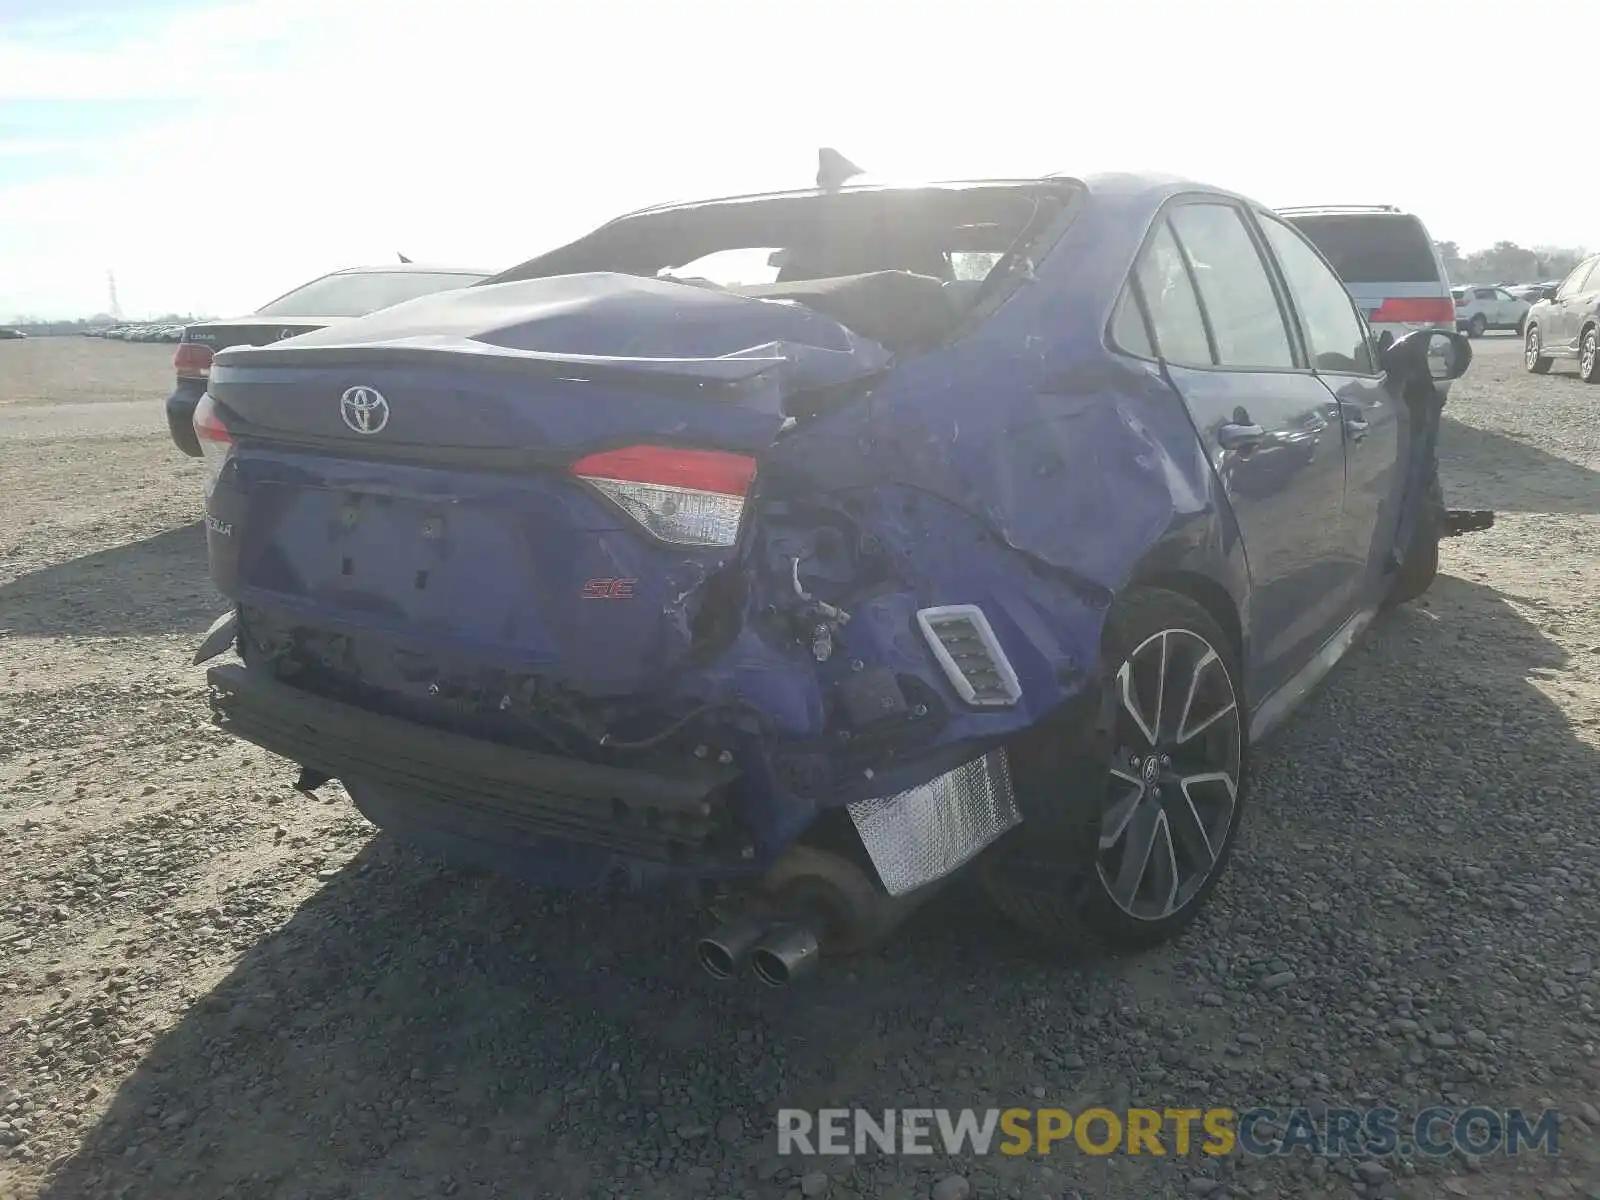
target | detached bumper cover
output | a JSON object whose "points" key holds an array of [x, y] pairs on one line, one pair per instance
{"points": [[180, 416], [479, 789]]}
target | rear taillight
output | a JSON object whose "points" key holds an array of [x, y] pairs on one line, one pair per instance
{"points": [[1407, 310], [192, 361], [686, 497], [1461, 301], [216, 443]]}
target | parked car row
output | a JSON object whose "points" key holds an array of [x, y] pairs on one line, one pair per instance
{"points": [[828, 583], [11, 335], [138, 333], [1532, 292]]}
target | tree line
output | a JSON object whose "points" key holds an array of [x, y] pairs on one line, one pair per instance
{"points": [[1507, 262]]}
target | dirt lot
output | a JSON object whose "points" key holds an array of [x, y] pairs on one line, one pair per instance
{"points": [[212, 986]]}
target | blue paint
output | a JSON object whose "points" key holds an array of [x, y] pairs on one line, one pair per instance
{"points": [[1025, 467]]}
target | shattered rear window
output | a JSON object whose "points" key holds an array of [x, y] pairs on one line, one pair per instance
{"points": [[731, 268], [952, 232]]}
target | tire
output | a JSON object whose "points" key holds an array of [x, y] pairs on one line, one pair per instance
{"points": [[1052, 877], [1589, 355], [1478, 326], [1421, 564], [1532, 345]]}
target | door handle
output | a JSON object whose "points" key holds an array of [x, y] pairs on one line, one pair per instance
{"points": [[1236, 436], [1356, 428]]}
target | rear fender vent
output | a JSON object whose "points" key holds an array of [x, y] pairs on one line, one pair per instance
{"points": [[969, 653]]}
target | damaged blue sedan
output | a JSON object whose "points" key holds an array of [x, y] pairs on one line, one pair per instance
{"points": [[821, 546]]}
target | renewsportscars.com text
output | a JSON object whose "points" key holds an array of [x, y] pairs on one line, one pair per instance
{"points": [[1364, 1132]]}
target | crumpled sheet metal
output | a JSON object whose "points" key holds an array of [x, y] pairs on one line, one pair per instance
{"points": [[921, 835]]}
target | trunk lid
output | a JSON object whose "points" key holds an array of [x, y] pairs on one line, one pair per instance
{"points": [[198, 345], [249, 331], [546, 364], [540, 474]]}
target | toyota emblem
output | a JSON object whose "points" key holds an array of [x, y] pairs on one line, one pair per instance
{"points": [[364, 409]]}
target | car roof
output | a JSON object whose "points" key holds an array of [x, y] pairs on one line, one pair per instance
{"points": [[1354, 210], [407, 268], [1102, 183], [1146, 190]]}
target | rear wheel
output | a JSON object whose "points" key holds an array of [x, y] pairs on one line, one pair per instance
{"points": [[1589, 355], [1533, 356], [1478, 326], [1160, 797]]}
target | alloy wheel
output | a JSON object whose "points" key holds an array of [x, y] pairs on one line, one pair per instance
{"points": [[1588, 355], [1531, 348], [1174, 777]]}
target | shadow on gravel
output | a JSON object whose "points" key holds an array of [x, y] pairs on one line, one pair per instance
{"points": [[153, 586], [1487, 469], [413, 1032]]}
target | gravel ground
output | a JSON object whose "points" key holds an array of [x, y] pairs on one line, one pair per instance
{"points": [[212, 986]]}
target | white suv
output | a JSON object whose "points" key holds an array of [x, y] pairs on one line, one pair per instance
{"points": [[1480, 309]]}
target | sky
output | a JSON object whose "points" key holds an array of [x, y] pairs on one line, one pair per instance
{"points": [[216, 153]]}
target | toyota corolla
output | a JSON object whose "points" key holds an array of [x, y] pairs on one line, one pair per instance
{"points": [[824, 545]]}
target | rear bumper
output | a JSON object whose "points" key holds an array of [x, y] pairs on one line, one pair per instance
{"points": [[469, 789], [180, 415]]}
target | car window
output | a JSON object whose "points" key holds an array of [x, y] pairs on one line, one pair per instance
{"points": [[1502, 294], [1372, 247], [1334, 330], [1169, 295], [1484, 293], [1246, 320], [1574, 283], [1128, 332], [731, 268]]}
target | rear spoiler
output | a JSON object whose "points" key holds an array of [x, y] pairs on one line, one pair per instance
{"points": [[432, 352]]}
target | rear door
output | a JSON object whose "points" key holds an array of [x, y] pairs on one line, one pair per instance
{"points": [[1375, 432], [1486, 304], [1508, 309], [1270, 428]]}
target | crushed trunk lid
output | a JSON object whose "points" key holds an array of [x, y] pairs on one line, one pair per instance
{"points": [[548, 363]]}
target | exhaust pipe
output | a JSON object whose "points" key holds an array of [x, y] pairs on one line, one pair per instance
{"points": [[722, 950], [785, 954], [810, 902]]}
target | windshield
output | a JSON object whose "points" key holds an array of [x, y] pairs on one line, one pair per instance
{"points": [[1373, 247], [357, 293]]}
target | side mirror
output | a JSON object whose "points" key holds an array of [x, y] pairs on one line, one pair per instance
{"points": [[1434, 354]]}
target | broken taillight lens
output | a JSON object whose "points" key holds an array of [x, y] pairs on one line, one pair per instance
{"points": [[216, 443], [685, 497]]}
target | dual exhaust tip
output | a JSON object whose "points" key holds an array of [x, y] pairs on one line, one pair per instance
{"points": [[778, 953]]}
